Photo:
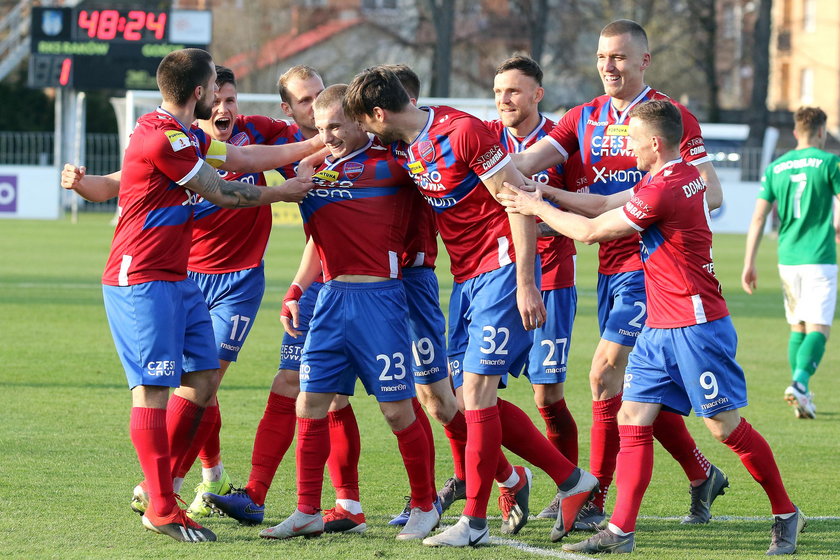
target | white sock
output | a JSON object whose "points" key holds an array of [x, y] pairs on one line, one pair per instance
{"points": [[352, 506], [177, 483], [511, 481], [213, 474], [615, 530], [786, 515]]}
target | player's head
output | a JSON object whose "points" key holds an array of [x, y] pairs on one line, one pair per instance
{"points": [[408, 78], [810, 125], [341, 135], [623, 56], [298, 87], [655, 131], [225, 107], [371, 95], [518, 90], [188, 74]]}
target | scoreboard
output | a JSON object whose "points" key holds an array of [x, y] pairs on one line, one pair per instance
{"points": [[109, 48]]}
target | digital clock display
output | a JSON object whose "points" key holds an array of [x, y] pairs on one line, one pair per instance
{"points": [[131, 25], [100, 47]]}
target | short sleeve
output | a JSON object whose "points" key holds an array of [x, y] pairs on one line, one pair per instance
{"points": [[692, 147], [564, 135], [173, 153], [474, 143], [834, 174], [765, 190], [648, 205]]}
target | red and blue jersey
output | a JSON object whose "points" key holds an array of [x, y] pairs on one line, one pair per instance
{"points": [[229, 240], [598, 132], [557, 252], [669, 210], [357, 213], [421, 246], [154, 229], [448, 161]]}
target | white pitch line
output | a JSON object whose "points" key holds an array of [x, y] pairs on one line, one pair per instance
{"points": [[669, 518], [537, 550]]}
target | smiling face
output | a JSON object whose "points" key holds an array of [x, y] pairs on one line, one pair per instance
{"points": [[339, 134], [225, 109], [621, 64], [517, 97], [643, 144]]}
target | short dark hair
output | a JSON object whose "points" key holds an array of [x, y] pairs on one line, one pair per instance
{"points": [[408, 78], [331, 95], [809, 120], [224, 75], [181, 71], [301, 72], [626, 26], [524, 64], [663, 116], [374, 87]]}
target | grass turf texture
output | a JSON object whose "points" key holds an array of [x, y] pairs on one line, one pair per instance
{"points": [[68, 466]]}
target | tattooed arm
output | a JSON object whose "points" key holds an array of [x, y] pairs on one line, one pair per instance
{"points": [[236, 194]]}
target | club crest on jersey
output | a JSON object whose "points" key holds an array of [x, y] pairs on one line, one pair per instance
{"points": [[177, 139], [240, 139], [353, 170], [416, 167], [427, 151]]}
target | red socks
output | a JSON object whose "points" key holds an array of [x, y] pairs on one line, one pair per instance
{"points": [[456, 433], [420, 414], [520, 436], [561, 429], [758, 458], [313, 448], [148, 434], [345, 448], [274, 436], [635, 467], [183, 418], [605, 444], [484, 440], [414, 448], [211, 452], [669, 429]]}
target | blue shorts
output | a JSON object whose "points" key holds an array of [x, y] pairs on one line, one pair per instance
{"points": [[292, 348], [427, 325], [622, 306], [234, 299], [549, 355], [161, 330], [359, 330], [688, 367], [486, 336]]}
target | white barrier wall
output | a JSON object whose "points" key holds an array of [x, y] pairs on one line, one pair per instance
{"points": [[738, 203], [28, 191]]}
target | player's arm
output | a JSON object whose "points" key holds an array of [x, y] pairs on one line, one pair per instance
{"points": [[749, 275], [523, 231], [95, 188], [308, 271], [607, 226], [714, 190], [236, 194], [541, 155], [586, 204], [258, 157]]}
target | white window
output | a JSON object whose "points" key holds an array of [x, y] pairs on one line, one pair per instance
{"points": [[806, 86], [809, 15]]}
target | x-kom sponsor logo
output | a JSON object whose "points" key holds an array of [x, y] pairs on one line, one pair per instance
{"points": [[8, 193]]}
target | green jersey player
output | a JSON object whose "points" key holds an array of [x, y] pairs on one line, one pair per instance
{"points": [[803, 183]]}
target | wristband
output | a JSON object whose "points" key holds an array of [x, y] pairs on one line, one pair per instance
{"points": [[293, 295]]}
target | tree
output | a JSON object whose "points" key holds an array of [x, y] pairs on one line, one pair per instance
{"points": [[757, 116], [443, 18]]}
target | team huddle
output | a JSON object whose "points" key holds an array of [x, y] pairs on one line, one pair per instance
{"points": [[377, 179]]}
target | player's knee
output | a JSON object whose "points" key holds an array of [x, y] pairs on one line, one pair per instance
{"points": [[286, 383], [399, 415]]}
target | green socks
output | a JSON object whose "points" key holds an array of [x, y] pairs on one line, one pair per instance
{"points": [[794, 342], [808, 357]]}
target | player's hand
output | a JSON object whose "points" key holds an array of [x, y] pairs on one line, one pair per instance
{"points": [[516, 200], [307, 165], [295, 189], [290, 312], [71, 176], [749, 278], [531, 307]]}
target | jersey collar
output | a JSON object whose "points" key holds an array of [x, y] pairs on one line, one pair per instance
{"points": [[516, 144], [620, 117], [331, 164]]}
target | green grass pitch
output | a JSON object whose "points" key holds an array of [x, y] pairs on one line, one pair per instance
{"points": [[67, 466]]}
